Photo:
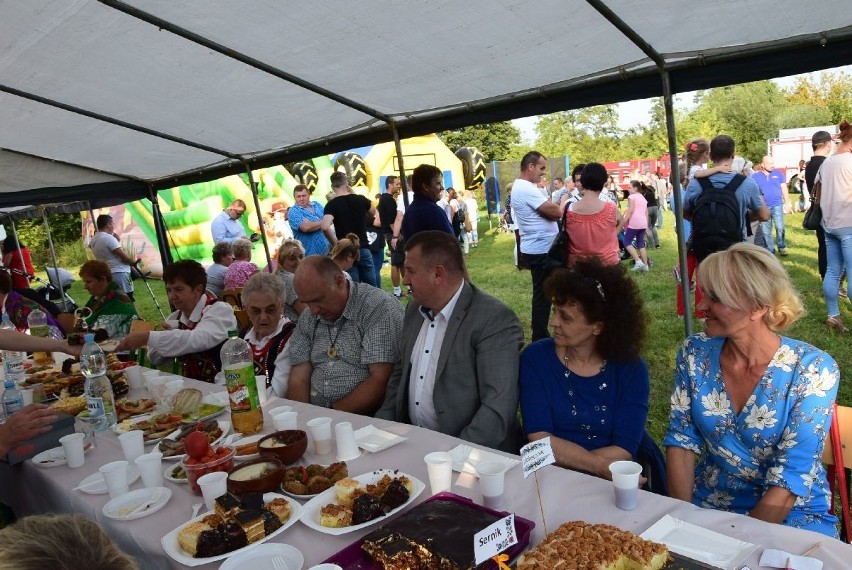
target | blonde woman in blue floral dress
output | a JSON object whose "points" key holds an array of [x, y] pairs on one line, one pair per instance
{"points": [[751, 409]]}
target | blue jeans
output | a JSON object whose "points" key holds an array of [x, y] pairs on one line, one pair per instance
{"points": [[776, 218], [838, 253], [378, 261], [362, 271]]}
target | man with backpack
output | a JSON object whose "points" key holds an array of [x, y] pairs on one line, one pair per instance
{"points": [[718, 205]]}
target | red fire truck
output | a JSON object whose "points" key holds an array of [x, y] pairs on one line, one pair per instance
{"points": [[626, 170]]}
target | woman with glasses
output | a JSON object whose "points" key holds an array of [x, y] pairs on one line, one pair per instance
{"points": [[290, 255], [586, 386]]}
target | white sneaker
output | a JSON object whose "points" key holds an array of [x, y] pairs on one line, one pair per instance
{"points": [[639, 266]]}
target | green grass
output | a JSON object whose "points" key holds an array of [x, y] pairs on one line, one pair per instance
{"points": [[491, 268]]}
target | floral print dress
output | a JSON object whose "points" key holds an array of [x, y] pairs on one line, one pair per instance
{"points": [[776, 440]]}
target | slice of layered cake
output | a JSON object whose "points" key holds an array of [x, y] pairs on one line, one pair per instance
{"points": [[577, 545]]}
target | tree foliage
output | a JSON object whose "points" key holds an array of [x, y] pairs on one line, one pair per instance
{"points": [[495, 141]]}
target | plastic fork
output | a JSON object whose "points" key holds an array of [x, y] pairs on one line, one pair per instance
{"points": [[279, 563]]}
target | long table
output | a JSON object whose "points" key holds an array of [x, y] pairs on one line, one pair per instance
{"points": [[553, 496]]}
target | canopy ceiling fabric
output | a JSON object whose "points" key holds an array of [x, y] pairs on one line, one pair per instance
{"points": [[100, 99]]}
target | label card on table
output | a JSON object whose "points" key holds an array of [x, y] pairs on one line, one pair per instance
{"points": [[536, 455], [494, 539]]}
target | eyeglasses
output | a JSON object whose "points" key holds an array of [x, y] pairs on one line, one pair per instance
{"points": [[300, 256], [239, 213]]}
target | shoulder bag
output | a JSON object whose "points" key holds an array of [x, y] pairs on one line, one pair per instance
{"points": [[813, 217], [557, 255]]}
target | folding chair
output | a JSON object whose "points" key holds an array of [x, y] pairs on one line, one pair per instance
{"points": [[242, 321], [837, 455], [232, 297]]}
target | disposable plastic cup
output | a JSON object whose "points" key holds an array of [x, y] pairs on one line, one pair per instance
{"points": [[213, 485], [26, 395], [347, 447], [286, 420], [321, 434], [72, 444], [132, 444], [625, 481], [262, 393], [151, 468], [491, 477], [279, 410], [326, 566], [39, 394], [115, 476], [135, 378], [87, 428], [439, 465], [155, 383]]}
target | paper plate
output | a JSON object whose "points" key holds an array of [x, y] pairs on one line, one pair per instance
{"points": [[373, 439], [122, 508], [168, 474], [260, 558]]}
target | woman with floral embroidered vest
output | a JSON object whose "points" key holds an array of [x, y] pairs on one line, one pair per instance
{"points": [[111, 308], [751, 409], [195, 332]]}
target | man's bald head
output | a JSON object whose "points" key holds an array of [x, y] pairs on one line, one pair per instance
{"points": [[321, 285]]}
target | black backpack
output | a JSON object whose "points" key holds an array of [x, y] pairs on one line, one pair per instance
{"points": [[716, 220]]}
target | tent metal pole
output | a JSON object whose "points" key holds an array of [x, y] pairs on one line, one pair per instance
{"points": [[259, 216], [668, 103], [52, 251], [398, 144]]}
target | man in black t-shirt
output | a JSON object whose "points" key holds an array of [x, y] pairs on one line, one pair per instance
{"points": [[821, 143], [347, 211], [391, 217]]}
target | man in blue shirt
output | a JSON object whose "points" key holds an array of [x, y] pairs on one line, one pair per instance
{"points": [[423, 213], [773, 186], [226, 227]]}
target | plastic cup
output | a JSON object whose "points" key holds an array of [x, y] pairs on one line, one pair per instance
{"points": [[321, 434], [39, 394], [347, 447], [491, 476], [262, 394], [213, 485], [286, 420], [72, 444], [132, 444], [87, 428], [115, 476], [155, 383], [26, 395], [151, 468], [279, 410], [135, 378], [326, 566], [439, 464], [625, 481]]}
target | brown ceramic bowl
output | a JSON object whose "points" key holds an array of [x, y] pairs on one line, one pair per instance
{"points": [[257, 476], [288, 445]]}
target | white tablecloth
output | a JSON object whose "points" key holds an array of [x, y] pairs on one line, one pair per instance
{"points": [[554, 496]]}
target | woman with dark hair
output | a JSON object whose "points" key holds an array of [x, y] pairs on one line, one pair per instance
{"points": [[223, 256], [836, 201], [111, 308], [586, 387], [16, 258], [195, 332], [19, 307], [591, 223]]}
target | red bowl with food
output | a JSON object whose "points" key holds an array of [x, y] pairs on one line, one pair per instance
{"points": [[288, 445], [218, 459], [258, 476]]}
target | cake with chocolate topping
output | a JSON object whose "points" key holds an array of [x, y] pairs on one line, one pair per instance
{"points": [[437, 534]]}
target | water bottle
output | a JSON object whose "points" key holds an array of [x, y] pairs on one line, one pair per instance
{"points": [[13, 401], [98, 389], [13, 359], [37, 322], [238, 366]]}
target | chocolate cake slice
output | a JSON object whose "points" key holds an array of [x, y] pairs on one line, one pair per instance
{"points": [[395, 495], [366, 508], [437, 534]]}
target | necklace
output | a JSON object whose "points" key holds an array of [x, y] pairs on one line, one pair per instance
{"points": [[332, 348], [601, 386]]}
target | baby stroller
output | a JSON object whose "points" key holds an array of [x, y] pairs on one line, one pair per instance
{"points": [[56, 291]]}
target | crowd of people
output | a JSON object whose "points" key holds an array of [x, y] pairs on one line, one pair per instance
{"points": [[750, 408]]}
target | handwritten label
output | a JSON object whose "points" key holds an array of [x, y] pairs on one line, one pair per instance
{"points": [[494, 539], [536, 455]]}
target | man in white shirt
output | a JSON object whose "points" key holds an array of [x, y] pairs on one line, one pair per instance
{"points": [[536, 218], [458, 369], [107, 248]]}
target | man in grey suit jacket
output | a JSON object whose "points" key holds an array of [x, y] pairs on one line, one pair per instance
{"points": [[458, 372]]}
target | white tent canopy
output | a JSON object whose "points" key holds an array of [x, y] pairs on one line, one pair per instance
{"points": [[105, 101]]}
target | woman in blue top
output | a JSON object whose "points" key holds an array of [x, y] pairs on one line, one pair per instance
{"points": [[751, 409], [586, 386], [305, 218]]}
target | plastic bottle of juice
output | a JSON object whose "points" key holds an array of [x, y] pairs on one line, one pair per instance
{"points": [[37, 322], [238, 366]]}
